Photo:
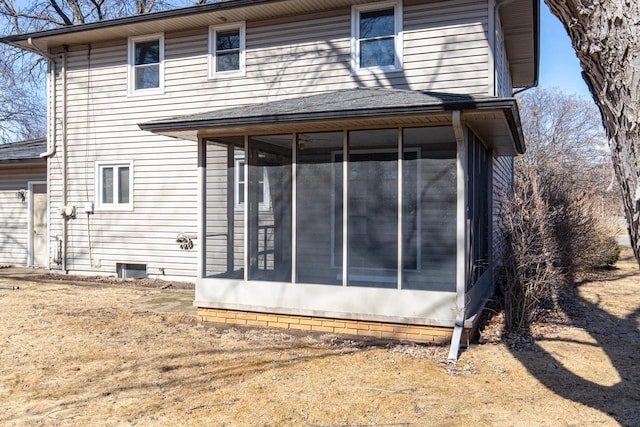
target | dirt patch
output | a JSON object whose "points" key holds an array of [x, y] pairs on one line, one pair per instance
{"points": [[142, 282], [105, 354]]}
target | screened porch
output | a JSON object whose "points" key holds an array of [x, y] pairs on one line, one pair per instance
{"points": [[364, 204], [279, 209]]}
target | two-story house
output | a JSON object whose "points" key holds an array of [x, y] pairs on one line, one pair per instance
{"points": [[323, 165]]}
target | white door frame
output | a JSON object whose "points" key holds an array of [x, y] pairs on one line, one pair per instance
{"points": [[30, 254]]}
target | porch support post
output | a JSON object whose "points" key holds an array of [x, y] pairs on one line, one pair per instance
{"points": [[231, 199], [400, 202], [461, 233], [202, 209], [245, 218], [345, 208], [294, 208]]}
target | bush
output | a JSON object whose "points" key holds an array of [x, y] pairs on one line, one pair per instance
{"points": [[552, 234], [551, 225]]}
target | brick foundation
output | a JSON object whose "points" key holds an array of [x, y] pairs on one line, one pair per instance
{"points": [[362, 328]]}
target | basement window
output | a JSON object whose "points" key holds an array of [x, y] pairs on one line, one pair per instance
{"points": [[131, 271]]}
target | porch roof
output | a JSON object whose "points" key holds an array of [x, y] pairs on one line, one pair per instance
{"points": [[23, 151], [495, 120]]}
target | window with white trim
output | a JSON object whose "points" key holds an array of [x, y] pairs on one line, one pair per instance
{"points": [[146, 64], [114, 186], [376, 36], [227, 50], [262, 190]]}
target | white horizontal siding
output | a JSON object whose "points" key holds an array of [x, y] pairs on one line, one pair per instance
{"points": [[503, 75], [164, 174], [445, 49], [13, 230], [14, 214]]}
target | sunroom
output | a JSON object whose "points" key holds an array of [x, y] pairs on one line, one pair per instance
{"points": [[365, 205]]}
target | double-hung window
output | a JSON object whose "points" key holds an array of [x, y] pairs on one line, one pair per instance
{"points": [[114, 186], [227, 50], [376, 37], [262, 183], [146, 64]]}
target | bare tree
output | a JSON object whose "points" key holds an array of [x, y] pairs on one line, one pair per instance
{"points": [[560, 128], [22, 112], [606, 37], [42, 14], [22, 105], [565, 133]]}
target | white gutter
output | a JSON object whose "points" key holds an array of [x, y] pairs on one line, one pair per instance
{"points": [[461, 234]]}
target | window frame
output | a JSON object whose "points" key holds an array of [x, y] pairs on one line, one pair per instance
{"points": [[115, 206], [356, 10], [238, 172], [131, 68], [213, 31]]}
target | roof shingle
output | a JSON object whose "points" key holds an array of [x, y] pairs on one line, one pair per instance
{"points": [[23, 151]]}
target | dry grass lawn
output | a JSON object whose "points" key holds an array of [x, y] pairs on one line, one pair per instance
{"points": [[104, 354]]}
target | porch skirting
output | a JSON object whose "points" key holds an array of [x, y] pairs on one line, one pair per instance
{"points": [[360, 328]]}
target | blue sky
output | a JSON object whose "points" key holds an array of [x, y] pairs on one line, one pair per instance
{"points": [[559, 65]]}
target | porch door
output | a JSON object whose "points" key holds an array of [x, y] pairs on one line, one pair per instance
{"points": [[39, 225]]}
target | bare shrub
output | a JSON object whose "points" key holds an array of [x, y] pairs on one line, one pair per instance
{"points": [[552, 222], [530, 275], [552, 235]]}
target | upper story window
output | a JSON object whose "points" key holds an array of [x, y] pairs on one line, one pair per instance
{"points": [[146, 64], [227, 50], [376, 36], [114, 186]]}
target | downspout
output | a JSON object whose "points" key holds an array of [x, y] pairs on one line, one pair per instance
{"points": [[51, 146], [461, 234], [53, 131], [65, 219], [52, 110]]}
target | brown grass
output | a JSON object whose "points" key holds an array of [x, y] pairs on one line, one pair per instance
{"points": [[113, 355]]}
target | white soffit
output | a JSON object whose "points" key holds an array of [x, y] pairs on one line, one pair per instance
{"points": [[177, 20]]}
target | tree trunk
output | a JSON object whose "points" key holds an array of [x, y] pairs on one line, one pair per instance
{"points": [[606, 36]]}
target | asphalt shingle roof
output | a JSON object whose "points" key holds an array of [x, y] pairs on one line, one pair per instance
{"points": [[337, 104], [23, 151]]}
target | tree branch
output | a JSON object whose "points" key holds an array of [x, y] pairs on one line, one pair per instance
{"points": [[78, 16], [60, 12]]}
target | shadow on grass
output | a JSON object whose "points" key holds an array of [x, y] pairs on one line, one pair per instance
{"points": [[144, 370], [618, 338]]}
